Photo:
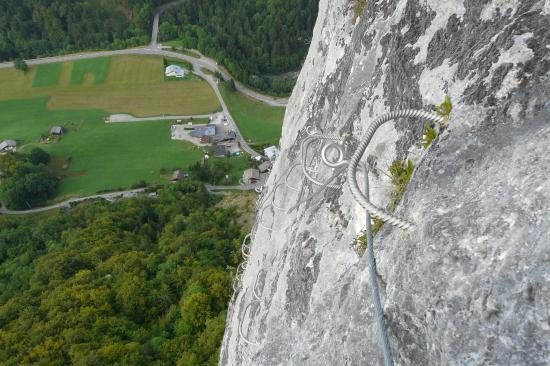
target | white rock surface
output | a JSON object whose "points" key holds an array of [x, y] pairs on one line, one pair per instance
{"points": [[471, 285]]}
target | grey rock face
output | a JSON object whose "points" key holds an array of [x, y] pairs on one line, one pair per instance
{"points": [[471, 286]]}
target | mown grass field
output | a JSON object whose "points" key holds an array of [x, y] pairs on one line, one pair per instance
{"points": [[100, 156], [120, 84], [90, 71], [47, 75], [257, 121]]}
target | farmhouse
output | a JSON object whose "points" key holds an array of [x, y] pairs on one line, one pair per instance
{"points": [[56, 131], [271, 152], [206, 130], [251, 176], [8, 145], [174, 71]]}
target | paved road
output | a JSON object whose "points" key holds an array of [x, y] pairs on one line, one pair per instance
{"points": [[158, 11], [242, 187], [118, 118], [112, 195]]}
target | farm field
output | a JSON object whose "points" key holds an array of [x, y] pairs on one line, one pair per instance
{"points": [[99, 156], [119, 84], [257, 121]]}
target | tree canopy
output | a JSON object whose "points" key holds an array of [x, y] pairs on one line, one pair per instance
{"points": [[252, 39], [30, 28], [26, 181], [144, 281]]}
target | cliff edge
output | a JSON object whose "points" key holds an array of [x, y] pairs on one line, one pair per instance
{"points": [[470, 286]]}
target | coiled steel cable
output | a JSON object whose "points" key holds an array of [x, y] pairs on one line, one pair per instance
{"points": [[241, 333], [354, 161], [304, 149]]}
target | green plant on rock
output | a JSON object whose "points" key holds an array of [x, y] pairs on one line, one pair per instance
{"points": [[360, 243], [401, 172], [429, 135], [444, 109], [377, 225], [358, 9]]}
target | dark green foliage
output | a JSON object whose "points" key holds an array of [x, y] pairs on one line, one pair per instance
{"points": [[137, 282], [39, 156], [20, 65], [230, 85], [30, 28], [213, 171], [24, 184], [252, 39]]}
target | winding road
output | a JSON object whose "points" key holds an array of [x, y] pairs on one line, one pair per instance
{"points": [[122, 194], [67, 203]]}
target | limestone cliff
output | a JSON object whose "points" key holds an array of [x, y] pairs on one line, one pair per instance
{"points": [[470, 286]]}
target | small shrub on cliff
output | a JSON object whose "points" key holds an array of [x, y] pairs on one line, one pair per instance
{"points": [[445, 108], [401, 172], [429, 136], [358, 9]]}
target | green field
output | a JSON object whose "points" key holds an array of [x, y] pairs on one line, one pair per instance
{"points": [[94, 69], [100, 156], [257, 121], [47, 75], [120, 84]]}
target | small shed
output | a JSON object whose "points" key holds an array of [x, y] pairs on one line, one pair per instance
{"points": [[265, 166], [205, 139], [178, 175], [220, 151], [8, 145], [56, 131], [251, 176], [271, 152]]}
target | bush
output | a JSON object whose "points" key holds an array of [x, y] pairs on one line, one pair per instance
{"points": [[39, 156]]}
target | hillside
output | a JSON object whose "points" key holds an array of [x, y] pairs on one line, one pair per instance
{"points": [[137, 282], [467, 284]]}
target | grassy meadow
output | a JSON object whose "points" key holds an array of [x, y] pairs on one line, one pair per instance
{"points": [[257, 121], [92, 155]]}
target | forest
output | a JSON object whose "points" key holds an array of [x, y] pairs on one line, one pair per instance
{"points": [[254, 40], [26, 180], [30, 28], [144, 281]]}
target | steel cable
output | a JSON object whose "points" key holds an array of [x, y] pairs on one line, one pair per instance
{"points": [[356, 157]]}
